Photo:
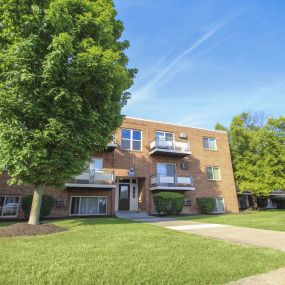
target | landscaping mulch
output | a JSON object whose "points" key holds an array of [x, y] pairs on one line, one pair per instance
{"points": [[24, 229]]}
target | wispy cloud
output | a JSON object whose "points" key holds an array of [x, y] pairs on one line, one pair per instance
{"points": [[148, 89], [227, 104]]}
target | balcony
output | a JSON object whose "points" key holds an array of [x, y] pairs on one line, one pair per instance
{"points": [[169, 147], [111, 146], [93, 179], [177, 183]]}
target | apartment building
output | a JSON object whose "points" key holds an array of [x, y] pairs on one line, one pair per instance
{"points": [[145, 157]]}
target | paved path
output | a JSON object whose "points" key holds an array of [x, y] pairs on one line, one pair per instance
{"points": [[248, 236], [141, 217], [276, 277], [241, 235]]}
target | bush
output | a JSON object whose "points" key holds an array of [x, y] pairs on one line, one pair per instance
{"points": [[46, 206], [206, 204], [262, 202], [168, 203]]}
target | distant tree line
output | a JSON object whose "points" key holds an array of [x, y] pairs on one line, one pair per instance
{"points": [[257, 148]]}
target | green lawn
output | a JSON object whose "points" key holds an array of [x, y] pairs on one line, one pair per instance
{"points": [[5, 224], [268, 220], [115, 251]]}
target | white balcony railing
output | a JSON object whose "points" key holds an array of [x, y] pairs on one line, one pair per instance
{"points": [[94, 177], [164, 180], [170, 146]]}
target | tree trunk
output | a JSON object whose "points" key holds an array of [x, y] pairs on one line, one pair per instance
{"points": [[254, 202], [36, 205]]}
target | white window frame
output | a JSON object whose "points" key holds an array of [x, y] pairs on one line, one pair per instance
{"points": [[212, 167], [164, 134], [80, 205], [165, 163], [219, 212], [131, 139], [5, 197], [210, 138], [96, 158]]}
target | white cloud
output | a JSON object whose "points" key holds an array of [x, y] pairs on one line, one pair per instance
{"points": [[166, 73]]}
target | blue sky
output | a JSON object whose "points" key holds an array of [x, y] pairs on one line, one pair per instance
{"points": [[201, 62]]}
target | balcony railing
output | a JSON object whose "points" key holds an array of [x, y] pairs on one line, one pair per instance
{"points": [[160, 182], [112, 144], [89, 178], [169, 146]]}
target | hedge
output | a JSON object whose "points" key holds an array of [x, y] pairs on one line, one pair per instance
{"points": [[206, 204], [46, 206], [168, 203]]}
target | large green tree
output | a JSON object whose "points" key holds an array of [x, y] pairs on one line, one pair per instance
{"points": [[258, 153], [63, 82]]}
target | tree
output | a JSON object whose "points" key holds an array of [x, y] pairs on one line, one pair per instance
{"points": [[258, 153], [63, 82]]}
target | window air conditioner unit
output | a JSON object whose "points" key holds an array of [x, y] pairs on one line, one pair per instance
{"points": [[183, 135], [187, 202]]}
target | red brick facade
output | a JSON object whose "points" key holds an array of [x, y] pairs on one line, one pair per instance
{"points": [[120, 161]]}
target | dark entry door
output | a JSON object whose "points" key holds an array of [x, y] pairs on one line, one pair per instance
{"points": [[124, 197]]}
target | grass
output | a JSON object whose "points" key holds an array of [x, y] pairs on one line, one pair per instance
{"points": [[267, 220], [116, 251], [6, 224]]}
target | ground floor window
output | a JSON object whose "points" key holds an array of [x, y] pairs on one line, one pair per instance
{"points": [[219, 205], [271, 204], [88, 205], [9, 206]]}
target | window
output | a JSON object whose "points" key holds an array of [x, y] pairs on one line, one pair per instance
{"points": [[164, 135], [213, 173], [88, 206], [219, 205], [9, 206], [210, 143], [165, 173], [131, 139], [96, 164], [166, 169]]}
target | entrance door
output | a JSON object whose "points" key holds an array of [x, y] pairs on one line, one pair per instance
{"points": [[124, 197]]}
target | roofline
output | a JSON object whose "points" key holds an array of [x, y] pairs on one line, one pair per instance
{"points": [[178, 125]]}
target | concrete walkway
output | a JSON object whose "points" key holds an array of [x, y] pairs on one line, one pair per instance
{"points": [[241, 235], [248, 236], [141, 217], [276, 277]]}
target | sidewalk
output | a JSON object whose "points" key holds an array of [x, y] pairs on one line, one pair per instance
{"points": [[241, 235], [248, 236]]}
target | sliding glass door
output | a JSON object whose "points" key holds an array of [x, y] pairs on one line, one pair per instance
{"points": [[88, 206]]}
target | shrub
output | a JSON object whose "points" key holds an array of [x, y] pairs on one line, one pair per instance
{"points": [[206, 204], [262, 202], [46, 206], [168, 203]]}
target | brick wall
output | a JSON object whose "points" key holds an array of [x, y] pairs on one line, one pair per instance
{"points": [[120, 161]]}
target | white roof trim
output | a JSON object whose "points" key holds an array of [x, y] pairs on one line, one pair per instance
{"points": [[178, 125]]}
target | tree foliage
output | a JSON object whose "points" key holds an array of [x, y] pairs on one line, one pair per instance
{"points": [[63, 82], [258, 153]]}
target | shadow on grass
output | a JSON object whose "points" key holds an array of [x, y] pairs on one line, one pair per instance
{"points": [[91, 221]]}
